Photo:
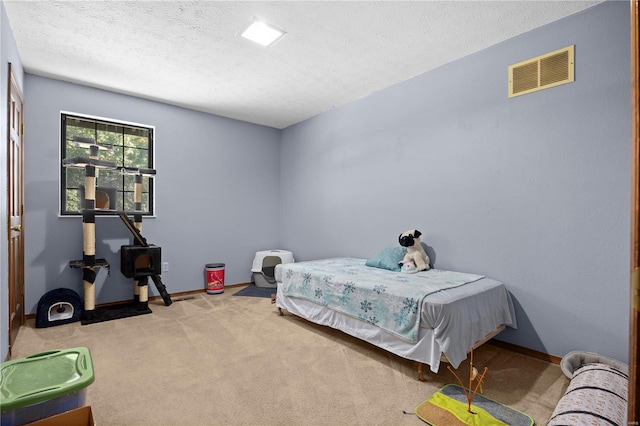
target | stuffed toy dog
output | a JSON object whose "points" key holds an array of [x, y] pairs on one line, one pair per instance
{"points": [[415, 252]]}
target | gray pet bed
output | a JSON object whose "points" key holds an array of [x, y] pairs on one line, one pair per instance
{"points": [[596, 391], [574, 360]]}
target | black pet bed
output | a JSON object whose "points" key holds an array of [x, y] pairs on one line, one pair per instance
{"points": [[57, 307]]}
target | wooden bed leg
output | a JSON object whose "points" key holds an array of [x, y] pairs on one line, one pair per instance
{"points": [[420, 373]]}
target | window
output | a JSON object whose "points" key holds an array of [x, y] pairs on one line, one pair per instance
{"points": [[131, 147]]}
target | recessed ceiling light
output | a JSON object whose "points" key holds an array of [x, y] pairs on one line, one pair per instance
{"points": [[262, 33]]}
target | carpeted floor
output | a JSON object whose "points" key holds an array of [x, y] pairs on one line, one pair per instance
{"points": [[224, 360]]}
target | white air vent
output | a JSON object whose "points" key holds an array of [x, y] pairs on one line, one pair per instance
{"points": [[552, 69]]}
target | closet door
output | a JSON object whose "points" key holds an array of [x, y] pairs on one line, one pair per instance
{"points": [[15, 197]]}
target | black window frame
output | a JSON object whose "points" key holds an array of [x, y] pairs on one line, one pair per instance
{"points": [[123, 181]]}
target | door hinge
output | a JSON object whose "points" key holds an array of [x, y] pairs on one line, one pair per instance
{"points": [[635, 289]]}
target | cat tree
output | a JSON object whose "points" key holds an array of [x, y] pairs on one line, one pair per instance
{"points": [[138, 261]]}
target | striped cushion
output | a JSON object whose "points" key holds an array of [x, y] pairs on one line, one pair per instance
{"points": [[596, 395]]}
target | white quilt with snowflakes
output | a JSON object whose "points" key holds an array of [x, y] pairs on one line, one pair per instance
{"points": [[390, 300]]}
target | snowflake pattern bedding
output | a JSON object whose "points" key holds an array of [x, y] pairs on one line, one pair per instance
{"points": [[390, 300]]}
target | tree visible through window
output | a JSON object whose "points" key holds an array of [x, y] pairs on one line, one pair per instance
{"points": [[131, 147]]}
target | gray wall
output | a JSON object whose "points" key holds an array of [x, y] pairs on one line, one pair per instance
{"points": [[8, 53], [533, 191], [217, 193]]}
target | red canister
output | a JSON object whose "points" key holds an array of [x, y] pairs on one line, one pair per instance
{"points": [[214, 273]]}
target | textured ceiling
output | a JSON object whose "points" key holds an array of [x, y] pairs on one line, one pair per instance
{"points": [[190, 53]]}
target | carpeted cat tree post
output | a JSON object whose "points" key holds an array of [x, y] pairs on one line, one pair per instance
{"points": [[140, 283], [89, 240], [141, 260], [89, 264]]}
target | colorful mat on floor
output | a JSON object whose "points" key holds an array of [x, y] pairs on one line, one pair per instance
{"points": [[448, 407]]}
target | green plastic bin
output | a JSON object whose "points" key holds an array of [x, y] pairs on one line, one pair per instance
{"points": [[44, 384]]}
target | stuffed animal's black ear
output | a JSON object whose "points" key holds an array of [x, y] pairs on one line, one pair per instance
{"points": [[400, 237], [416, 234]]}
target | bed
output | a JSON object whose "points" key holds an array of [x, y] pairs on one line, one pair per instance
{"points": [[427, 317]]}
